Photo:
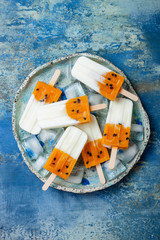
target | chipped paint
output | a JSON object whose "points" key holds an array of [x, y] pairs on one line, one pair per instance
{"points": [[35, 32]]}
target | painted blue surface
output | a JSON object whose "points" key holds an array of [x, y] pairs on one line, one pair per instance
{"points": [[127, 33]]}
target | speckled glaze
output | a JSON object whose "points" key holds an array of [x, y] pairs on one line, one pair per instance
{"points": [[44, 73]]}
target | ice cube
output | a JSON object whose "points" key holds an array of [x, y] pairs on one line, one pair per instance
{"points": [[106, 164], [136, 128], [137, 132], [126, 155], [125, 86], [46, 135], [32, 147], [95, 99], [74, 90], [44, 172], [39, 163], [24, 134], [137, 136], [50, 138], [76, 176], [118, 169]]}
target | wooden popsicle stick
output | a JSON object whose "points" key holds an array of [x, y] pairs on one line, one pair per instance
{"points": [[100, 174], [98, 107], [128, 94], [49, 181], [55, 77], [113, 157]]}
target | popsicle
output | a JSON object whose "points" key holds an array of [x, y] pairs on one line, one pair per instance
{"points": [[65, 154], [43, 93], [66, 113], [94, 152], [117, 128], [101, 79]]}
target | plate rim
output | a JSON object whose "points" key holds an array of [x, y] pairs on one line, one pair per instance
{"points": [[71, 189]]}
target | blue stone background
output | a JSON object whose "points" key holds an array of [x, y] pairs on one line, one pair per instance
{"points": [[125, 32]]}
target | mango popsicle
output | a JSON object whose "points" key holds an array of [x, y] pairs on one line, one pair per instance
{"points": [[65, 154], [66, 113], [117, 128], [100, 78], [43, 93], [94, 152]]}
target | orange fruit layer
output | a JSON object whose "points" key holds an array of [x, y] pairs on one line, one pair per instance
{"points": [[60, 163], [78, 109], [44, 92], [111, 85], [116, 135], [94, 153]]}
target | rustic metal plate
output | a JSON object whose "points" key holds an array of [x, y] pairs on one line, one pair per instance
{"points": [[43, 73]]}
